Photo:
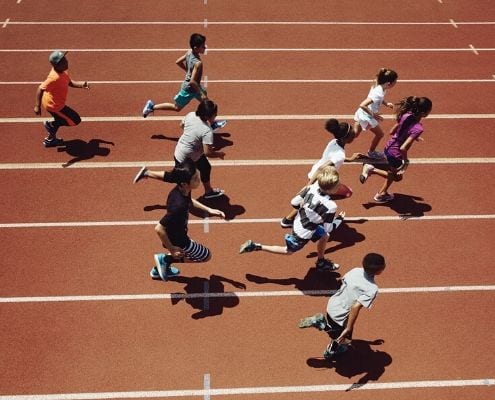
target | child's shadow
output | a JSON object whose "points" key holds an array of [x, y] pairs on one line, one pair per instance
{"points": [[221, 203], [312, 284], [360, 359], [405, 205], [81, 150], [207, 295], [345, 235], [219, 141]]}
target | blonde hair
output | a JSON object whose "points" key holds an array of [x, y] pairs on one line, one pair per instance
{"points": [[328, 178]]}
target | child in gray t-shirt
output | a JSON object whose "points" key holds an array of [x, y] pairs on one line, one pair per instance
{"points": [[358, 290]]}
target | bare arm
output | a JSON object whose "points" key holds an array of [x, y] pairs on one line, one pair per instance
{"points": [[181, 62], [79, 84], [162, 234], [195, 84], [356, 307], [211, 152], [37, 102], [211, 211]]}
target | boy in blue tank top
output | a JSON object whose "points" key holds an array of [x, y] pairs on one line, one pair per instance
{"points": [[191, 87]]}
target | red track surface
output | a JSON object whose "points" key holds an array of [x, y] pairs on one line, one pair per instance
{"points": [[239, 341]]}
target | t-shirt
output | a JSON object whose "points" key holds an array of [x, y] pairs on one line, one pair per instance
{"points": [[191, 60], [177, 217], [55, 87], [357, 285], [314, 208], [377, 95], [334, 153], [408, 127], [196, 133]]}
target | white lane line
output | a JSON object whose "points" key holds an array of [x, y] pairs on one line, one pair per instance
{"points": [[267, 81], [244, 117], [228, 163], [207, 295], [453, 23], [439, 384], [303, 23], [6, 22], [206, 386], [83, 224], [473, 49], [267, 49]]}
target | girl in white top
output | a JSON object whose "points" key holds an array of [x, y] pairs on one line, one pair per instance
{"points": [[334, 155], [367, 116]]}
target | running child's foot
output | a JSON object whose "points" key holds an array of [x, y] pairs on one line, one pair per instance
{"points": [[383, 198], [48, 127], [214, 193], [376, 155], [286, 223], [163, 267], [367, 168], [217, 125], [53, 142], [148, 108], [316, 321], [249, 246], [326, 265], [334, 349], [140, 175]]}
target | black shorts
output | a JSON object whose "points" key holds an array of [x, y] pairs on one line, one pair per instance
{"points": [[335, 330], [394, 162]]}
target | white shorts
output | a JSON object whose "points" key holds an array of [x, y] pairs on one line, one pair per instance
{"points": [[365, 120]]}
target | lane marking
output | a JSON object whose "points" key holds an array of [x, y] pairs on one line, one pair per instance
{"points": [[206, 386], [228, 163], [220, 50], [269, 81], [252, 117], [256, 390], [5, 23], [453, 23], [205, 23], [357, 23], [473, 49], [207, 295], [84, 224]]}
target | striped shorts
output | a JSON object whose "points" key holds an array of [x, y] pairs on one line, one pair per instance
{"points": [[196, 251]]}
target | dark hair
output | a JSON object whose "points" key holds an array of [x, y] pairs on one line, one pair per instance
{"points": [[414, 105], [373, 263], [196, 40], [341, 130], [206, 109], [386, 75], [182, 173]]}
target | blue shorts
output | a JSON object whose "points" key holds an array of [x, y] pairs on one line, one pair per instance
{"points": [[184, 97], [295, 243]]}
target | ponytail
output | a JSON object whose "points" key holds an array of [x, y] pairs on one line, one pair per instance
{"points": [[386, 75], [414, 105], [339, 130]]}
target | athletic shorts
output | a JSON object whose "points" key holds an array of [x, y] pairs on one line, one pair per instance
{"points": [[184, 97], [365, 120], [394, 162], [335, 329], [196, 251], [295, 243]]}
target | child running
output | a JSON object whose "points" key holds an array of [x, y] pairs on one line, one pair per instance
{"points": [[191, 88], [52, 94], [196, 143], [358, 290], [408, 128], [314, 221], [172, 228], [367, 116], [334, 155]]}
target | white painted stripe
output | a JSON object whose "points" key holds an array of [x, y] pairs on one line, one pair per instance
{"points": [[267, 49], [206, 295], [356, 23], [257, 390], [453, 23], [227, 163], [206, 386], [267, 81], [473, 49], [244, 117], [6, 23], [81, 224]]}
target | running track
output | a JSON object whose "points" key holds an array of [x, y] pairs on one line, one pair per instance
{"points": [[80, 318]]}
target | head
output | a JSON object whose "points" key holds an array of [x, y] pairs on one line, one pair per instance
{"points": [[185, 175], [419, 107], [373, 263], [343, 131], [197, 42], [328, 179], [207, 110], [386, 77], [58, 60]]}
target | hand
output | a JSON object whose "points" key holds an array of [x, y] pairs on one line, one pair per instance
{"points": [[390, 105], [176, 251], [341, 215], [218, 213], [378, 117], [341, 338], [37, 110], [85, 85]]}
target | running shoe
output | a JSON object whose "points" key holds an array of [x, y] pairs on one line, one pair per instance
{"points": [[249, 246], [53, 142], [148, 108], [140, 175], [214, 193], [326, 265], [286, 223], [163, 267], [316, 321], [217, 125], [383, 198], [367, 168]]}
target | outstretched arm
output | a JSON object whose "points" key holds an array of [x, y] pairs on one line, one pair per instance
{"points": [[356, 307]]}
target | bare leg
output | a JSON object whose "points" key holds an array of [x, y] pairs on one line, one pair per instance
{"points": [[167, 107], [321, 246], [276, 249], [378, 136]]}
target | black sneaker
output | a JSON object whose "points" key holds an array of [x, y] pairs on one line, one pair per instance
{"points": [[286, 223], [140, 175], [214, 193], [53, 142], [326, 265], [249, 246]]}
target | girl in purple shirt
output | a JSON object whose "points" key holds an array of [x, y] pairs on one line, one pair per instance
{"points": [[408, 128]]}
